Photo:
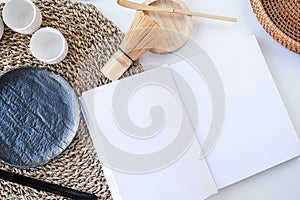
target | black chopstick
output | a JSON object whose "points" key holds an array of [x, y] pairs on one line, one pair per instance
{"points": [[47, 187]]}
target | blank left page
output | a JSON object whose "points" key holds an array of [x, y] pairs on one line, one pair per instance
{"points": [[187, 176]]}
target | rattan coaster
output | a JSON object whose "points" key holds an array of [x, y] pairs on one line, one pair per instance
{"points": [[92, 40], [281, 19]]}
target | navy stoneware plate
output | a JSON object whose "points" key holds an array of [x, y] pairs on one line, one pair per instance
{"points": [[39, 116]]}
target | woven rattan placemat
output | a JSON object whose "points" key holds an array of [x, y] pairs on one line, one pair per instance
{"points": [[92, 40], [281, 19]]}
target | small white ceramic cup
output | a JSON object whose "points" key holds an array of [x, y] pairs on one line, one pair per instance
{"points": [[22, 16], [1, 28], [48, 45]]}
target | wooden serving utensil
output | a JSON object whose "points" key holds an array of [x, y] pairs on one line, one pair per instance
{"points": [[144, 7], [176, 29]]}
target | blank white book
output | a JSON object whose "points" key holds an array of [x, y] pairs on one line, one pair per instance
{"points": [[256, 133]]}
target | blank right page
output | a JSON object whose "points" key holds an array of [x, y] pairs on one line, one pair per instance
{"points": [[258, 133]]}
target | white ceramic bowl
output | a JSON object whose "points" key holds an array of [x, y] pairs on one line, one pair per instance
{"points": [[48, 45], [22, 16]]}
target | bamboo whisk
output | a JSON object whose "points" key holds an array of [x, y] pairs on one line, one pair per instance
{"points": [[141, 37]]}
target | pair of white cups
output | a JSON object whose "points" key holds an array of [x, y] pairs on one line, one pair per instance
{"points": [[47, 44]]}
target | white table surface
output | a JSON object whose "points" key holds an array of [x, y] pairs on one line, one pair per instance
{"points": [[281, 182]]}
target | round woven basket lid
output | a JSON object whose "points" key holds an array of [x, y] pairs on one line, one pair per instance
{"points": [[281, 19]]}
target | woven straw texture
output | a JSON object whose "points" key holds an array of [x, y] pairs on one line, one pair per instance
{"points": [[281, 19], [92, 40]]}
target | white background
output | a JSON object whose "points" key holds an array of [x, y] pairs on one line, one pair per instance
{"points": [[281, 182]]}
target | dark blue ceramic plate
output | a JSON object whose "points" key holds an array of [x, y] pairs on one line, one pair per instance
{"points": [[39, 116]]}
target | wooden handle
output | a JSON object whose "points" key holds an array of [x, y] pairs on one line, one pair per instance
{"points": [[116, 66], [138, 6]]}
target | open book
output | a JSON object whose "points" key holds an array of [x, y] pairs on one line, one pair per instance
{"points": [[181, 132]]}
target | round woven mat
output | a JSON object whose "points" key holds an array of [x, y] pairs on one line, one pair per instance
{"points": [[92, 40], [281, 19]]}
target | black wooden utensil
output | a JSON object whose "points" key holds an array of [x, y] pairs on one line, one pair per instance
{"points": [[44, 186]]}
